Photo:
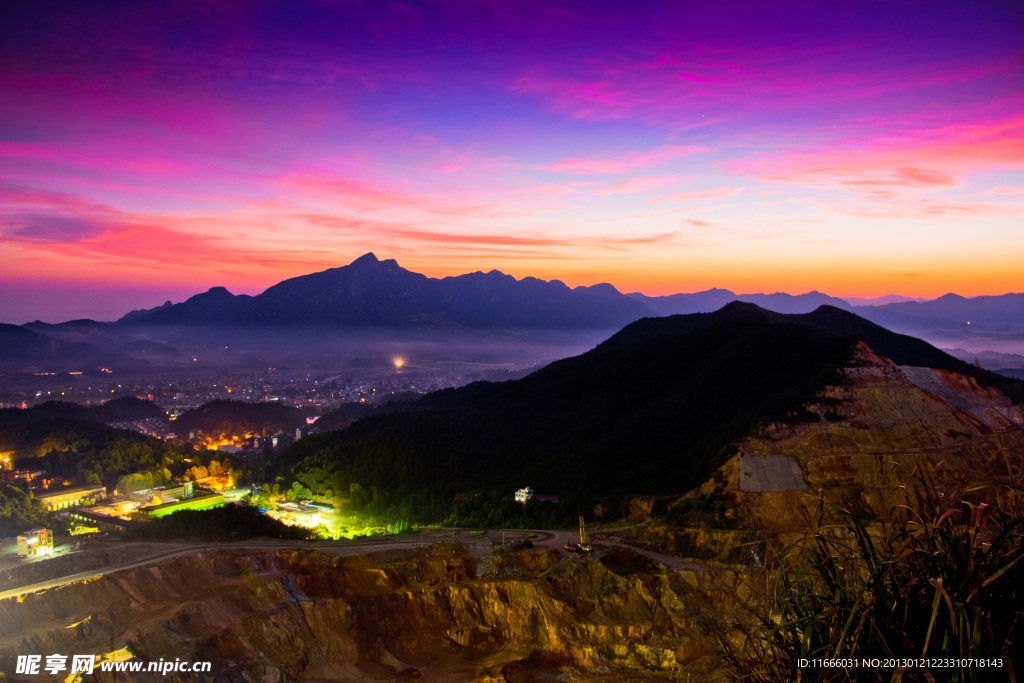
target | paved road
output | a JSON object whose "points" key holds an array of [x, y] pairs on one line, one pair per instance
{"points": [[342, 548], [486, 539]]}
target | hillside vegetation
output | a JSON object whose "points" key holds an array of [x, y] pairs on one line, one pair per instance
{"points": [[650, 417]]}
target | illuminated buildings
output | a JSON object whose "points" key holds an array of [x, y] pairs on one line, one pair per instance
{"points": [[35, 542], [199, 501], [65, 498]]}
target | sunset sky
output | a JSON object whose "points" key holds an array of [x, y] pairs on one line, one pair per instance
{"points": [[151, 150]]}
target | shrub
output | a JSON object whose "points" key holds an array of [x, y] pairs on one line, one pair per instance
{"points": [[941, 579]]}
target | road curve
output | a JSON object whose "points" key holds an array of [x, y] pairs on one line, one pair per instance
{"points": [[540, 538]]}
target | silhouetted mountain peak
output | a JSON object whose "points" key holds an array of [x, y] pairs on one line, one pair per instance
{"points": [[369, 263], [212, 296], [366, 259], [735, 307], [744, 310], [826, 320], [601, 288]]}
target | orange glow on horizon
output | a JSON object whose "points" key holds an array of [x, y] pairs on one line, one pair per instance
{"points": [[656, 277]]}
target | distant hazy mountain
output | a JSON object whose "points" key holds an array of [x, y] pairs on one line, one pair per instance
{"points": [[20, 347], [713, 299], [989, 358], [215, 305], [369, 292], [881, 300], [106, 335], [400, 304], [373, 293], [1007, 309]]}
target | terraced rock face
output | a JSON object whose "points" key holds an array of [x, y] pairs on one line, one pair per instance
{"points": [[875, 429], [872, 432], [437, 614]]}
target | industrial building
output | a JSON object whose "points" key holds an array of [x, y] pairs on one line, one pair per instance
{"points": [[200, 501], [65, 498], [35, 542]]}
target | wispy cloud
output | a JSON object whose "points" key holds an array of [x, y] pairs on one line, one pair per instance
{"points": [[899, 167], [366, 196], [699, 195], [636, 185], [524, 240], [920, 209], [565, 188], [625, 162], [70, 157]]}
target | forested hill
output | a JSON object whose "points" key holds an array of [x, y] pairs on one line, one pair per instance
{"points": [[825, 320], [646, 417], [124, 409]]}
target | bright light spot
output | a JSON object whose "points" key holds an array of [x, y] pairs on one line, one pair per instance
{"points": [[399, 362]]}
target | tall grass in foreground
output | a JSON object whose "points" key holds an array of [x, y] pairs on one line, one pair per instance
{"points": [[941, 578]]}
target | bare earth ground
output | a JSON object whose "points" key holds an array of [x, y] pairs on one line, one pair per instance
{"points": [[98, 557]]}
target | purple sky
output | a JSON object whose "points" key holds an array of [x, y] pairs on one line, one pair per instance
{"points": [[152, 150]]}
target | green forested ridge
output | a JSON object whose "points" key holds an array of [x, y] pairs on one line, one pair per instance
{"points": [[649, 417], [123, 409], [228, 418], [85, 452]]}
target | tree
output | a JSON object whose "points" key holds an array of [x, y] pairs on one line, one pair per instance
{"points": [[196, 473]]}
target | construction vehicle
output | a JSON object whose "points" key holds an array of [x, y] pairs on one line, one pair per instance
{"points": [[582, 546]]}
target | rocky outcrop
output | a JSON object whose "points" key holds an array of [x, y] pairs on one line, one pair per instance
{"points": [[437, 614], [870, 434]]}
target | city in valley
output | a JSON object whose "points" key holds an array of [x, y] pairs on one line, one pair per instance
{"points": [[212, 455]]}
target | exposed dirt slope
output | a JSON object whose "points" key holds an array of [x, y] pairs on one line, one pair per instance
{"points": [[871, 433], [437, 614]]}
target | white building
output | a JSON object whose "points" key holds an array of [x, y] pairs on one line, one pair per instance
{"points": [[523, 495], [35, 542]]}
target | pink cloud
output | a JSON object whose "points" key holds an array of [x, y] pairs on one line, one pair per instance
{"points": [[565, 188], [42, 224], [1005, 189], [65, 156], [636, 185], [625, 162], [686, 76], [71, 224], [700, 195], [918, 208], [362, 195], [661, 93], [936, 158]]}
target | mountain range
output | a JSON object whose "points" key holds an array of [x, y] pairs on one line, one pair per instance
{"points": [[371, 292], [379, 294]]}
